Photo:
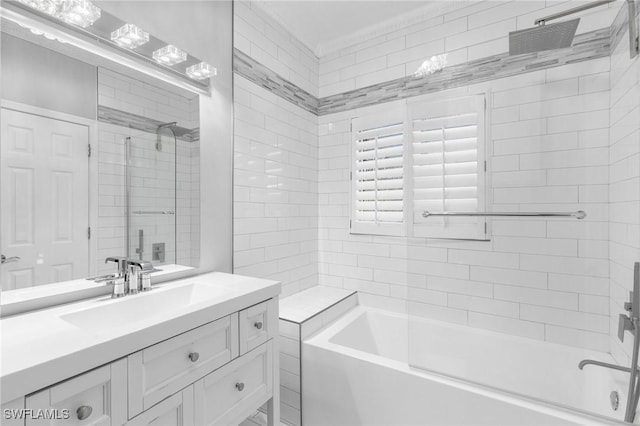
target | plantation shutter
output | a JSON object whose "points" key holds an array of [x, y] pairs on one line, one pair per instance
{"points": [[448, 166], [377, 173]]}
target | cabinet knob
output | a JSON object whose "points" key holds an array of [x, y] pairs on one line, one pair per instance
{"points": [[258, 325], [240, 386], [193, 356], [84, 412]]}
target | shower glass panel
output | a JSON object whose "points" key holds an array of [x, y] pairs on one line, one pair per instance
{"points": [[509, 305], [151, 196]]}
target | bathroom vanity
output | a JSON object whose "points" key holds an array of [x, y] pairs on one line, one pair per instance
{"points": [[194, 351]]}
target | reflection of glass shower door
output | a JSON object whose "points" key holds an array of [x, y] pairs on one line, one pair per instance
{"points": [[151, 197]]}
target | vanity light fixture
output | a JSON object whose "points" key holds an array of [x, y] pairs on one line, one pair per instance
{"points": [[169, 55], [50, 7], [201, 71], [129, 36], [79, 12]]}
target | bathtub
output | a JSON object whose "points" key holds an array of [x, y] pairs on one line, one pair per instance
{"points": [[356, 372]]}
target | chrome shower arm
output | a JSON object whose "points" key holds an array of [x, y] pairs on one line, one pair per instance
{"points": [[542, 21]]}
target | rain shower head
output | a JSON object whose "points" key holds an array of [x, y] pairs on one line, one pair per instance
{"points": [[543, 37]]}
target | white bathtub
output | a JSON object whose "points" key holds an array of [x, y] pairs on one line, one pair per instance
{"points": [[355, 372]]}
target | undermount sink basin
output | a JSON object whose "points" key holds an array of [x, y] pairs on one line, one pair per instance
{"points": [[109, 314]]}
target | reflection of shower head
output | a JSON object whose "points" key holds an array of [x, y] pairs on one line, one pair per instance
{"points": [[177, 131], [543, 37]]}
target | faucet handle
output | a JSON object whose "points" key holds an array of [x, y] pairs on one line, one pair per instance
{"points": [[117, 259], [144, 265]]}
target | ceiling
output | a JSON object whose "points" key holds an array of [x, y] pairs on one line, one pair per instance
{"points": [[319, 22]]}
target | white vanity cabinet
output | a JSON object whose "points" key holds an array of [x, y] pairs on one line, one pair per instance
{"points": [[217, 373], [95, 398]]}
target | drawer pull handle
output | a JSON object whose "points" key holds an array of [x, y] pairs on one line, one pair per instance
{"points": [[84, 412], [240, 386], [193, 356], [258, 325]]}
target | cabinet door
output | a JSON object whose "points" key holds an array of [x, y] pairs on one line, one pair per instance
{"points": [[258, 324], [230, 394], [177, 410], [95, 398]]}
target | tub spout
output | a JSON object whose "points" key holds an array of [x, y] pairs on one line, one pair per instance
{"points": [[584, 362]]}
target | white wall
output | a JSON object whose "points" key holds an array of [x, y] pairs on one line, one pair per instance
{"points": [[41, 77], [276, 160]]}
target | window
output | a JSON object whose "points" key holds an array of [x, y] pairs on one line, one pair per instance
{"points": [[378, 174], [425, 156]]}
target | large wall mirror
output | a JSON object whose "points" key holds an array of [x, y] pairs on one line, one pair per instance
{"points": [[97, 160]]}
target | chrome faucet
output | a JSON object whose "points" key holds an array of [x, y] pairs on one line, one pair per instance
{"points": [[628, 322], [127, 280]]}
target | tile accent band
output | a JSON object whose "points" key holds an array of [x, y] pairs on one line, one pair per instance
{"points": [[592, 45], [259, 74], [145, 124]]}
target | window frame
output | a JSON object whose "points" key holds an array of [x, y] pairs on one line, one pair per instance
{"points": [[408, 227]]}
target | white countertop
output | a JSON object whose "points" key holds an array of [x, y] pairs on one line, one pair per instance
{"points": [[39, 348]]}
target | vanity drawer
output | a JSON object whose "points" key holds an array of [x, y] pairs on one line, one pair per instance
{"points": [[229, 395], [258, 324], [163, 369], [95, 398], [177, 410]]}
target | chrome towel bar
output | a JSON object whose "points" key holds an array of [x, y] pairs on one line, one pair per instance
{"points": [[578, 214], [153, 212]]}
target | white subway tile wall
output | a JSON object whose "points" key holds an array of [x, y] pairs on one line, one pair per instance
{"points": [[544, 279], [624, 189], [276, 160], [561, 139], [266, 41], [152, 174]]}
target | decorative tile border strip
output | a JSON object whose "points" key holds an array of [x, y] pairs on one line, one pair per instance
{"points": [[592, 45], [144, 124], [254, 71]]}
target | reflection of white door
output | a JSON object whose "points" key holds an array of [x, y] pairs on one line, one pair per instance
{"points": [[44, 199]]}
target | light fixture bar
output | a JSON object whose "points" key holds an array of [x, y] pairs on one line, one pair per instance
{"points": [[138, 63]]}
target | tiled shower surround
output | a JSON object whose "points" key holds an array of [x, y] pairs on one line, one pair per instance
{"points": [[131, 108], [276, 160], [558, 142]]}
